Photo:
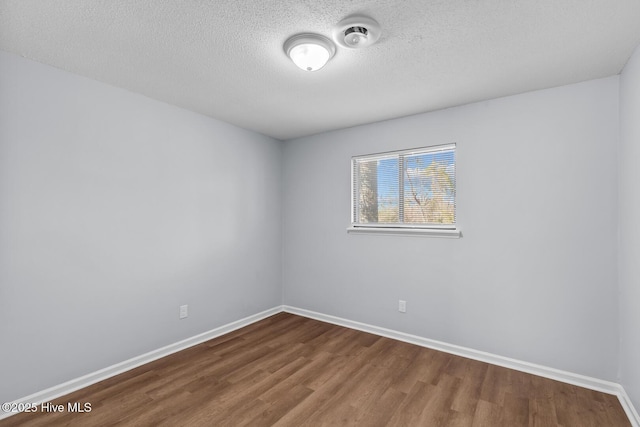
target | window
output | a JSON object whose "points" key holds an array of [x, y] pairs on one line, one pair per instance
{"points": [[405, 191]]}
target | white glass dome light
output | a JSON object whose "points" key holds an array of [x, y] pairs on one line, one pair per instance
{"points": [[309, 52]]}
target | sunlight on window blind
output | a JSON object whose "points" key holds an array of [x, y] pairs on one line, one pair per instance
{"points": [[412, 188]]}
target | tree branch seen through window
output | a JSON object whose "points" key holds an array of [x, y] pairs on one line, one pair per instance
{"points": [[415, 188]]}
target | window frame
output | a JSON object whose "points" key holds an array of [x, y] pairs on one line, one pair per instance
{"points": [[434, 230]]}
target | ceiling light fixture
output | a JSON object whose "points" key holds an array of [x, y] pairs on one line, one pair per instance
{"points": [[308, 51], [356, 31]]}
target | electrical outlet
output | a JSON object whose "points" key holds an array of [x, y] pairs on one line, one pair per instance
{"points": [[184, 311], [402, 306]]}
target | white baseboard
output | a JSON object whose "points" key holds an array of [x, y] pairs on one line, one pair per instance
{"points": [[113, 370], [628, 407], [531, 368], [519, 365]]}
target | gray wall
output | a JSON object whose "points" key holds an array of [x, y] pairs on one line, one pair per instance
{"points": [[533, 278], [630, 229], [114, 210]]}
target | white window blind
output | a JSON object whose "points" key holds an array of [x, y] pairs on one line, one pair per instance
{"points": [[405, 189]]}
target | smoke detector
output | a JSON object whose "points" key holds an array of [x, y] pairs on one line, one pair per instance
{"points": [[356, 32]]}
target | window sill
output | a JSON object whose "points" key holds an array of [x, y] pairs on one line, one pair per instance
{"points": [[427, 232]]}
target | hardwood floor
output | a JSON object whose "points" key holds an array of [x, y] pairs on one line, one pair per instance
{"points": [[292, 371]]}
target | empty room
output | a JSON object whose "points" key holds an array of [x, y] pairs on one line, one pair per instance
{"points": [[318, 213]]}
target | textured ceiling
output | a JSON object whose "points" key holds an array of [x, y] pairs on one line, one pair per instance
{"points": [[224, 58]]}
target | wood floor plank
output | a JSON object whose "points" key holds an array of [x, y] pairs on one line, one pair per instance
{"points": [[436, 409], [466, 398], [488, 414], [288, 370], [377, 412], [515, 410], [409, 411]]}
